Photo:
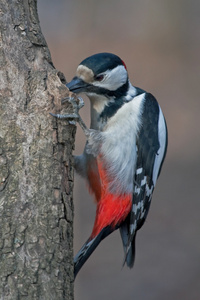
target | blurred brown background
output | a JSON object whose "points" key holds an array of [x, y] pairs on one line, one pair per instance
{"points": [[160, 42]]}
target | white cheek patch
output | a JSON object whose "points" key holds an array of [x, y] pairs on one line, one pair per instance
{"points": [[113, 79]]}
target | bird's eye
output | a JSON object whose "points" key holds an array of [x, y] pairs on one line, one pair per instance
{"points": [[99, 77]]}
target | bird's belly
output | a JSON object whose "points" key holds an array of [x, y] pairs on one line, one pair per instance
{"points": [[112, 208]]}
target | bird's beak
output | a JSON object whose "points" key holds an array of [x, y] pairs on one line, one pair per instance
{"points": [[77, 85]]}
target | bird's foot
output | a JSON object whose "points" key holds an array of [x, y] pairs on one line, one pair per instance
{"points": [[77, 103]]}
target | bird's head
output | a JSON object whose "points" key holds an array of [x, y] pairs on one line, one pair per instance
{"points": [[102, 76]]}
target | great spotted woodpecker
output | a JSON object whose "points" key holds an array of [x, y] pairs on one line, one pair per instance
{"points": [[125, 148]]}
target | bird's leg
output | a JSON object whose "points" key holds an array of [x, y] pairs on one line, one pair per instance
{"points": [[93, 136], [75, 116]]}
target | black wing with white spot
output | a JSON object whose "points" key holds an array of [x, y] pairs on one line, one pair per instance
{"points": [[151, 149]]}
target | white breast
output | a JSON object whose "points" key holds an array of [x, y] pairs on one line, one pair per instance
{"points": [[119, 145]]}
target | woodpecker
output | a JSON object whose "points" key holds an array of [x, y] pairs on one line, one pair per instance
{"points": [[125, 149]]}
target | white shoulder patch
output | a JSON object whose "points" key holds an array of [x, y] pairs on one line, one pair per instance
{"points": [[119, 145], [162, 134]]}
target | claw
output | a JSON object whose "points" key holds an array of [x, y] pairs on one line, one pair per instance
{"points": [[67, 99], [72, 100], [74, 116], [66, 116], [81, 102], [71, 122]]}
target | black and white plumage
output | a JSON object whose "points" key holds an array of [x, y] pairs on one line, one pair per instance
{"points": [[124, 153]]}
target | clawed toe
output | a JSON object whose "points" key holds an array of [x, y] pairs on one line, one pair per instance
{"points": [[77, 105]]}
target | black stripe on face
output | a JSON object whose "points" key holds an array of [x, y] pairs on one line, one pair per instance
{"points": [[119, 93], [117, 100], [111, 109]]}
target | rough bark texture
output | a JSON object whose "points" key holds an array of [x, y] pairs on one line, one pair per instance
{"points": [[36, 176]]}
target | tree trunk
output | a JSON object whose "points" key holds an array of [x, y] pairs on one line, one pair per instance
{"points": [[36, 175]]}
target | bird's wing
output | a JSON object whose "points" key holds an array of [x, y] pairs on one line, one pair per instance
{"points": [[151, 149]]}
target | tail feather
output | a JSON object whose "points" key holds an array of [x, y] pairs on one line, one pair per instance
{"points": [[129, 246], [130, 254], [88, 248]]}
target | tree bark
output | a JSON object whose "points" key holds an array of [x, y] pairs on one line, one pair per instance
{"points": [[36, 174]]}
